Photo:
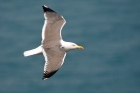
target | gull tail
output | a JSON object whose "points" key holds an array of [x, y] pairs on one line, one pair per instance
{"points": [[37, 50]]}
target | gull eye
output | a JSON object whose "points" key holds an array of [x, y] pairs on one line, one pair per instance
{"points": [[73, 45], [62, 47]]}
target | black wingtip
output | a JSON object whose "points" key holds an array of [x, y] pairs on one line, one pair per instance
{"points": [[48, 74], [44, 78], [47, 9]]}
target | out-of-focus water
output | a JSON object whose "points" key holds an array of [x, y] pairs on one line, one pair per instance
{"points": [[109, 30]]}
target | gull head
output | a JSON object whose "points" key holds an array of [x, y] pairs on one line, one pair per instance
{"points": [[66, 46]]}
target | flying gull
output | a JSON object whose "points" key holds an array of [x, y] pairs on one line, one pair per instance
{"points": [[52, 47]]}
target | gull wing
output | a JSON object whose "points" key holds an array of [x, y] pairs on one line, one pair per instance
{"points": [[51, 42], [54, 58], [53, 24]]}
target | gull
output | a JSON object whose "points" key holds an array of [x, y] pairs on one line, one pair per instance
{"points": [[53, 47]]}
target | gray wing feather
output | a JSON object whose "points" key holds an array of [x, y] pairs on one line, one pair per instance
{"points": [[54, 58], [52, 28]]}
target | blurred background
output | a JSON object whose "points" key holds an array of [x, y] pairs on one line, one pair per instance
{"points": [[109, 30]]}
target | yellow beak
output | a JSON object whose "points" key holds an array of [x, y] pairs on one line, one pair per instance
{"points": [[80, 47]]}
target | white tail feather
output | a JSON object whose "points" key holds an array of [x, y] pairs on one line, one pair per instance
{"points": [[37, 50]]}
